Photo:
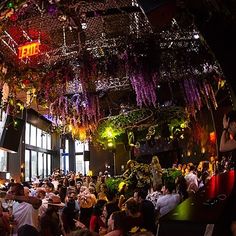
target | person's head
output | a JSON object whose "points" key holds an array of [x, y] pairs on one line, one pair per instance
{"points": [[140, 195], [130, 164], [49, 187], [116, 220], [71, 196], [26, 230], [98, 208], [103, 188], [72, 182], [111, 195], [232, 121], [131, 207], [54, 202], [16, 189], [84, 232], [40, 193], [155, 160], [168, 187], [83, 188]]}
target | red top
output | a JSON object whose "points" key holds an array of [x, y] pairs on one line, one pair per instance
{"points": [[95, 223]]}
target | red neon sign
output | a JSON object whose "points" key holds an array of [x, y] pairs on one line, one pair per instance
{"points": [[28, 50]]}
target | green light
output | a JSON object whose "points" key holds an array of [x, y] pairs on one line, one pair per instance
{"points": [[109, 133], [10, 5]]}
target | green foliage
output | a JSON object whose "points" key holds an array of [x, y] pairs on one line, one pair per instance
{"points": [[170, 175], [113, 184], [115, 126]]}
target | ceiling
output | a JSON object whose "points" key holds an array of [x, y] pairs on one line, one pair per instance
{"points": [[216, 21], [98, 55]]}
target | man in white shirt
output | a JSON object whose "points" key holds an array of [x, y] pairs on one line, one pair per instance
{"points": [[169, 200], [192, 180], [24, 208]]}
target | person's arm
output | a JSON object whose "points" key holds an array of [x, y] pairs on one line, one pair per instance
{"points": [[226, 143], [34, 201]]}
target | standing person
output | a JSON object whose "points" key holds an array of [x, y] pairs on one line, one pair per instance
{"points": [[25, 208], [156, 171], [97, 219], [227, 141], [50, 222]]}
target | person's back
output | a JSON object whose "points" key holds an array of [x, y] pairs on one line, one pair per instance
{"points": [[24, 213], [24, 208], [50, 224], [148, 212]]}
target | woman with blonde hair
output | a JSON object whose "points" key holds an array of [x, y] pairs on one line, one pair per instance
{"points": [[156, 171]]}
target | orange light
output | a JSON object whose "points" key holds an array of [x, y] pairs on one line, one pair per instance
{"points": [[213, 137], [28, 50]]}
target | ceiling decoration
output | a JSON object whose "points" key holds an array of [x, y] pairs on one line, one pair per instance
{"points": [[89, 49]]}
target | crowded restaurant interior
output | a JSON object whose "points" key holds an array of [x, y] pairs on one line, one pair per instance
{"points": [[117, 117]]}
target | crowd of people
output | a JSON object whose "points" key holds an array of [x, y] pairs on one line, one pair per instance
{"points": [[66, 204], [73, 204]]}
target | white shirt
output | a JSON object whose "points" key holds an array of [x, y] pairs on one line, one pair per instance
{"points": [[24, 213], [166, 203], [191, 179]]}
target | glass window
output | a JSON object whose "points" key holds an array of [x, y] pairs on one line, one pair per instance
{"points": [[33, 136], [3, 161], [66, 146], [33, 164], [62, 165], [27, 165], [39, 138], [44, 139], [45, 165], [66, 163], [40, 164], [79, 164], [86, 146], [86, 167], [27, 133], [49, 143], [49, 164], [79, 146]]}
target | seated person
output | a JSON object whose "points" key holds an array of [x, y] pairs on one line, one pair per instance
{"points": [[169, 200]]}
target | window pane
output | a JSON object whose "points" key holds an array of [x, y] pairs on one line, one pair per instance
{"points": [[33, 135], [79, 146], [27, 133], [27, 165], [86, 167], [49, 144], [44, 139], [40, 164], [86, 146], [67, 163], [49, 164], [45, 165], [62, 166], [3, 161], [33, 164], [79, 164], [67, 146], [39, 138]]}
